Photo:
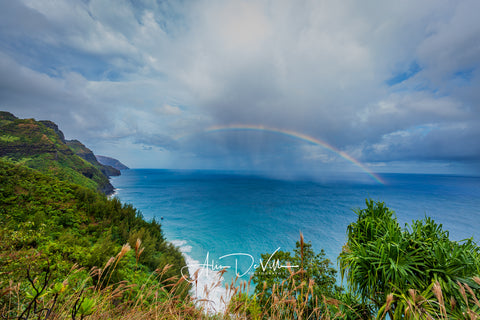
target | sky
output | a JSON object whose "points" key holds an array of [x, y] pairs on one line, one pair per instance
{"points": [[391, 85]]}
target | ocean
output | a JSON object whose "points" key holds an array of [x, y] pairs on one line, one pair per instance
{"points": [[228, 219]]}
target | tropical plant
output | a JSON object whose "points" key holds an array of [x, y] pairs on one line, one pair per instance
{"points": [[384, 262]]}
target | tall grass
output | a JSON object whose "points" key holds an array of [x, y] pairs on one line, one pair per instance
{"points": [[90, 295]]}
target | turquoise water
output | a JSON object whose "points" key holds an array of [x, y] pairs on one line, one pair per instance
{"points": [[219, 213]]}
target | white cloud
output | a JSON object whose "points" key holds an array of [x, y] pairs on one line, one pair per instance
{"points": [[168, 110]]}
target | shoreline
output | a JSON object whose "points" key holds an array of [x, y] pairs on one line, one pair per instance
{"points": [[208, 286]]}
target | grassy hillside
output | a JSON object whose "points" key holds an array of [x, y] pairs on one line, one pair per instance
{"points": [[48, 224], [38, 145]]}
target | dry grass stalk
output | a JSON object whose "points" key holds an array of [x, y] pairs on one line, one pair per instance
{"points": [[437, 291], [388, 305], [474, 298], [477, 280]]}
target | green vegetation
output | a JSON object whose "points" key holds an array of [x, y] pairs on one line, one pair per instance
{"points": [[48, 222], [41, 146], [310, 275], [8, 138], [65, 243], [383, 263], [68, 223]]}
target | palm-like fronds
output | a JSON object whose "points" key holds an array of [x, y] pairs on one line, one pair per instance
{"points": [[383, 262]]}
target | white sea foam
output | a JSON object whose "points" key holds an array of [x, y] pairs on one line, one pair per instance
{"points": [[182, 246], [114, 194], [186, 249], [179, 243], [208, 286]]}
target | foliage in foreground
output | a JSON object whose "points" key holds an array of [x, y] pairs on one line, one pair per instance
{"points": [[398, 270], [91, 295], [46, 222]]}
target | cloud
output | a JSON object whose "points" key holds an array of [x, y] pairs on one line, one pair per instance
{"points": [[450, 47], [447, 143], [168, 110], [383, 81], [28, 94]]}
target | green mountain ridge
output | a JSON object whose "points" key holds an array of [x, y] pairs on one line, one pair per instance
{"points": [[41, 145]]}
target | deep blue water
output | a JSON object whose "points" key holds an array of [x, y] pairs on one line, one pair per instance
{"points": [[223, 213]]}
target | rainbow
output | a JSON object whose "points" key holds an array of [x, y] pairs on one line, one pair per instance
{"points": [[299, 136]]}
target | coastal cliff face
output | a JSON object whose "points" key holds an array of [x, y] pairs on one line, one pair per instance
{"points": [[41, 145], [83, 152], [107, 161]]}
